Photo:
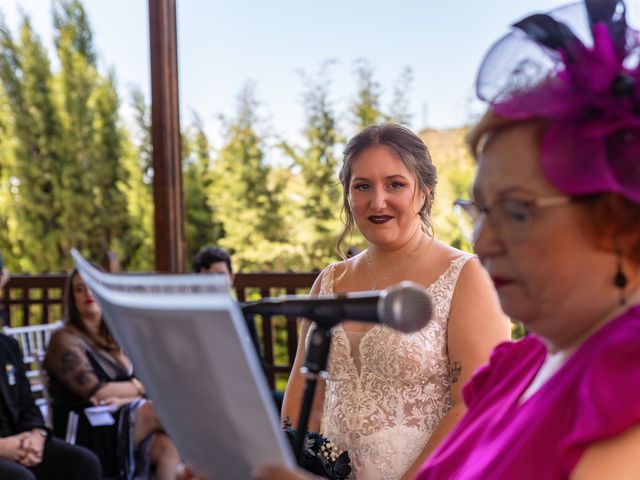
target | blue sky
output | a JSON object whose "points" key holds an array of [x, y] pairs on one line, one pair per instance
{"points": [[223, 43]]}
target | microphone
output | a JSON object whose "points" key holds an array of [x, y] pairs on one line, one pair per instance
{"points": [[406, 307]]}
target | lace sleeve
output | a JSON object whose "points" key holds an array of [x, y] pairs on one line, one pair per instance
{"points": [[67, 360]]}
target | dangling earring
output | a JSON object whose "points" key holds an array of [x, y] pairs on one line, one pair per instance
{"points": [[620, 280]]}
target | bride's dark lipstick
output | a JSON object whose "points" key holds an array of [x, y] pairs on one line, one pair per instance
{"points": [[379, 219]]}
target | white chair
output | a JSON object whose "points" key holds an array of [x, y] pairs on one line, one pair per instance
{"points": [[33, 341]]}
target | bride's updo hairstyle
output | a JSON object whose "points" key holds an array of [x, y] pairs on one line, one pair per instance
{"points": [[413, 153]]}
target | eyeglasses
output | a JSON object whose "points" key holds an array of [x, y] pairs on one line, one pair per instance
{"points": [[509, 217]]}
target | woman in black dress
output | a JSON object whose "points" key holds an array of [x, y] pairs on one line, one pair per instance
{"points": [[86, 369]]}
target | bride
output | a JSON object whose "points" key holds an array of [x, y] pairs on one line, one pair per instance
{"points": [[390, 398]]}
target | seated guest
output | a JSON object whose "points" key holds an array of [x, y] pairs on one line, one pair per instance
{"points": [[213, 260], [554, 219], [26, 450], [218, 261], [87, 368]]}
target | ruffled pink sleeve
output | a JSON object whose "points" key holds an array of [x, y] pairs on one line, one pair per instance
{"points": [[506, 361], [609, 395], [473, 389]]}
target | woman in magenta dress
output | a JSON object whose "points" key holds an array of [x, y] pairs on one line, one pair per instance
{"points": [[555, 219], [555, 215]]}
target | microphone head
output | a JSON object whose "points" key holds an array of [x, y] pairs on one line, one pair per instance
{"points": [[406, 307]]}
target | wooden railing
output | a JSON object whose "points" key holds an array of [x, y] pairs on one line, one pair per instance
{"points": [[37, 299], [278, 335], [33, 299]]}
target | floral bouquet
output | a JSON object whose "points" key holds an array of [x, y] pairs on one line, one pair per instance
{"points": [[320, 456]]}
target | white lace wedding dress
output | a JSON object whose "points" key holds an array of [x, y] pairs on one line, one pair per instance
{"points": [[387, 391]]}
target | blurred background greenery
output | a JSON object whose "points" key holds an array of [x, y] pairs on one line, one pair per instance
{"points": [[73, 172]]}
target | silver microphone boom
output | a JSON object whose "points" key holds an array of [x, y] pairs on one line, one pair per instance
{"points": [[405, 307]]}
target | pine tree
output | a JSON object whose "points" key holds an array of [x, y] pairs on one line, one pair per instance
{"points": [[7, 167], [200, 226], [245, 193], [107, 176], [68, 175], [94, 214], [399, 108], [38, 153], [137, 189], [76, 81], [318, 164], [142, 134], [366, 108]]}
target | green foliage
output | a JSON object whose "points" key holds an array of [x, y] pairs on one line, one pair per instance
{"points": [[399, 108], [34, 169], [455, 173], [246, 194], [197, 176], [66, 177], [518, 330], [137, 240], [142, 134], [366, 108], [94, 214], [7, 160], [76, 84], [72, 25], [320, 197]]}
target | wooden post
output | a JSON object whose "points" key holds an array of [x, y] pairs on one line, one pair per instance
{"points": [[165, 133], [110, 262]]}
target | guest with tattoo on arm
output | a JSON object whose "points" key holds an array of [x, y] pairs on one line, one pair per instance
{"points": [[87, 368]]}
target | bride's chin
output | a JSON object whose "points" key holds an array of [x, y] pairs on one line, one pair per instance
{"points": [[378, 235]]}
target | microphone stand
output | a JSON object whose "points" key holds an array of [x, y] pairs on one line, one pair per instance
{"points": [[314, 367]]}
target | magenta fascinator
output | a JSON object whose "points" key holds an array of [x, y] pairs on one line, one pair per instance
{"points": [[576, 67]]}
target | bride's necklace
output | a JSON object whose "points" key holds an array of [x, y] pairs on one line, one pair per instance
{"points": [[394, 270]]}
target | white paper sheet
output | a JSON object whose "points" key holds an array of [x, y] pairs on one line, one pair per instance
{"points": [[101, 415], [191, 349]]}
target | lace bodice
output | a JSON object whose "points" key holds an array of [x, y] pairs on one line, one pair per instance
{"points": [[387, 391]]}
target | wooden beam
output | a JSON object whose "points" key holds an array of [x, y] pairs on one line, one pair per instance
{"points": [[165, 133]]}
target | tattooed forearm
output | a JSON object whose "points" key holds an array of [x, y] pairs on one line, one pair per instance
{"points": [[70, 361], [76, 369], [456, 370]]}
